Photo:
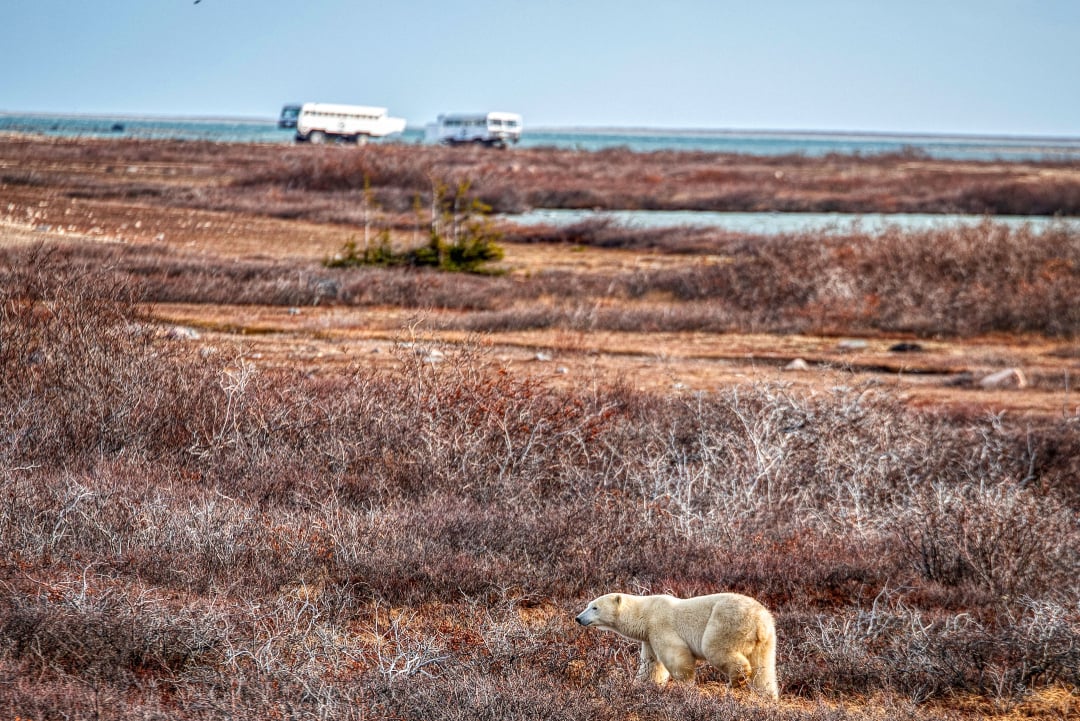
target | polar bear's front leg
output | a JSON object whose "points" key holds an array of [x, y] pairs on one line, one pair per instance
{"points": [[650, 668], [676, 657]]}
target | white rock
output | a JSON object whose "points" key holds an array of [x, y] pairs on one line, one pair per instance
{"points": [[433, 355], [797, 365], [180, 332], [1008, 378]]}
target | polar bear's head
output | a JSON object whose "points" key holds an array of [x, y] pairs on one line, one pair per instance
{"points": [[602, 613]]}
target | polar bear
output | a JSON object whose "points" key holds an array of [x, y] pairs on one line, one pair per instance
{"points": [[734, 633]]}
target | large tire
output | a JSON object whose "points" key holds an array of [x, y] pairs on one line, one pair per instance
{"points": [[316, 137]]}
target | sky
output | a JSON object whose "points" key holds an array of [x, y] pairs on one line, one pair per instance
{"points": [[985, 67]]}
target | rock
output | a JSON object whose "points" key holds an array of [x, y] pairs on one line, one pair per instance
{"points": [[433, 355], [542, 357], [797, 365], [961, 380], [1008, 378], [905, 348], [180, 332], [852, 344], [325, 287]]}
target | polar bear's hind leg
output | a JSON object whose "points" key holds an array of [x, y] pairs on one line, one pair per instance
{"points": [[734, 665]]}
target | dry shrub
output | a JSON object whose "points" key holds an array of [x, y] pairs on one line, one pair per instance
{"points": [[334, 168], [959, 282], [397, 176], [603, 232], [971, 280], [50, 695], [924, 655], [80, 373], [1052, 197], [368, 543], [104, 632], [1000, 536], [237, 176]]}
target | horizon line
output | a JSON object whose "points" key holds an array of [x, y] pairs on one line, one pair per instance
{"points": [[605, 128]]}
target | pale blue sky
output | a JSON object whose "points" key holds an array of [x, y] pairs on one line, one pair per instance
{"points": [[982, 67]]}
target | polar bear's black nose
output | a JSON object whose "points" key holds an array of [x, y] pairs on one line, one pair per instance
{"points": [[579, 620]]}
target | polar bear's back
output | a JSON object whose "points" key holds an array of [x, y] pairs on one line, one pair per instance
{"points": [[730, 619]]}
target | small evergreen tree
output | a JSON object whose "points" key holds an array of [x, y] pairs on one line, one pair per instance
{"points": [[461, 236]]}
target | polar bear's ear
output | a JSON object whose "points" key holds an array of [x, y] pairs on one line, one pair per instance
{"points": [[618, 599]]}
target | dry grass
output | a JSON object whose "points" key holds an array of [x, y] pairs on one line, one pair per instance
{"points": [[958, 283], [322, 183], [670, 180], [208, 529], [198, 536]]}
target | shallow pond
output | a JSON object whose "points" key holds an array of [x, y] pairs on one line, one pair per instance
{"points": [[779, 223]]}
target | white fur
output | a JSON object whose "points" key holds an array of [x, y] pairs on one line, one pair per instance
{"points": [[732, 632]]}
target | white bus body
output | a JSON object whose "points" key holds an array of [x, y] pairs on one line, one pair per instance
{"points": [[318, 122], [487, 128]]}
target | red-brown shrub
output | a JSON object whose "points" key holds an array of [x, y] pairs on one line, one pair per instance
{"points": [[236, 540]]}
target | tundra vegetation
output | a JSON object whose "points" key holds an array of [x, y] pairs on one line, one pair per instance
{"points": [[188, 530], [461, 236]]}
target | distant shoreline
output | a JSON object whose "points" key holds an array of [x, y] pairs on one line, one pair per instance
{"points": [[604, 129], [809, 134], [143, 118]]}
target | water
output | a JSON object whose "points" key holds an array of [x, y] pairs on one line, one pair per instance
{"points": [[782, 223], [814, 144], [749, 142], [218, 130], [237, 130]]}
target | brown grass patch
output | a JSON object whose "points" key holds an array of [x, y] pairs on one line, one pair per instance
{"points": [[271, 520]]}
